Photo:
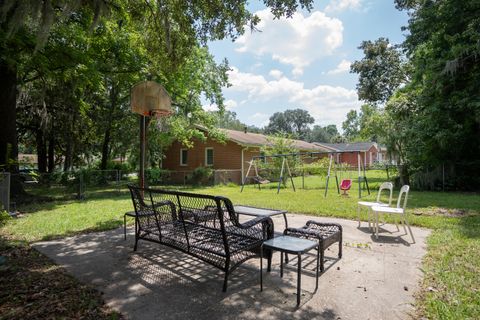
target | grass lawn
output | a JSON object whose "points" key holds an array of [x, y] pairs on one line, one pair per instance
{"points": [[451, 286]]}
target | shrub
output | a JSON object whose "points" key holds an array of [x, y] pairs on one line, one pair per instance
{"points": [[271, 167], [319, 167], [124, 167], [200, 176], [4, 217], [156, 175]]}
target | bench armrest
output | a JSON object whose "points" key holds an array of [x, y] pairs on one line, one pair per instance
{"points": [[257, 225]]}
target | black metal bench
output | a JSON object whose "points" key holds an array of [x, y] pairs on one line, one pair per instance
{"points": [[204, 226]]}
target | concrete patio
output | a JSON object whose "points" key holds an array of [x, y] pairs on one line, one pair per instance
{"points": [[375, 279]]}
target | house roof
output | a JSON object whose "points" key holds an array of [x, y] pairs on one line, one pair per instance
{"points": [[257, 140], [348, 147]]}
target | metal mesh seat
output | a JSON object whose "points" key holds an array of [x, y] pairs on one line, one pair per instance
{"points": [[325, 233], [204, 226]]}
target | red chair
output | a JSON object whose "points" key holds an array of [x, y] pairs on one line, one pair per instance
{"points": [[345, 186]]}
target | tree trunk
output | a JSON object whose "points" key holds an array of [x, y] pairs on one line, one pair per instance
{"points": [[8, 116], [51, 154], [67, 164], [108, 129], [41, 151], [105, 149], [70, 147]]}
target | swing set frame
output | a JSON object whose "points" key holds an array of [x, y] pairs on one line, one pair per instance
{"points": [[332, 163]]}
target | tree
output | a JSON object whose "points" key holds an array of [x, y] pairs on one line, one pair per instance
{"points": [[351, 125], [171, 32], [278, 144], [380, 72], [323, 134], [431, 113], [295, 122]]}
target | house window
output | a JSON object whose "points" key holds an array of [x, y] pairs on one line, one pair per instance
{"points": [[209, 156], [183, 157]]}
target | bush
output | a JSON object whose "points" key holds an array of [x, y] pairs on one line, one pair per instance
{"points": [[319, 167], [125, 167], [156, 176], [4, 217], [200, 176]]}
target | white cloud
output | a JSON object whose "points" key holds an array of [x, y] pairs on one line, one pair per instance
{"points": [[296, 41], [230, 104], [262, 118], [259, 115], [327, 104], [277, 74], [342, 5], [210, 107], [343, 66]]}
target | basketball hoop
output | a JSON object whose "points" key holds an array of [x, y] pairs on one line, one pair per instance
{"points": [[150, 99]]}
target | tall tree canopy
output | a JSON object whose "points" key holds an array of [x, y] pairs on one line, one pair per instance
{"points": [[295, 122], [74, 62], [433, 113]]}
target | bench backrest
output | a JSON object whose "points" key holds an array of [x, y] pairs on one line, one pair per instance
{"points": [[212, 212]]}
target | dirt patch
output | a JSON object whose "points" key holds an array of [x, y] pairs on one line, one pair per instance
{"points": [[452, 213], [33, 287]]}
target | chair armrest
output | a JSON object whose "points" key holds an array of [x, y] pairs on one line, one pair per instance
{"points": [[325, 224], [163, 203], [265, 222]]}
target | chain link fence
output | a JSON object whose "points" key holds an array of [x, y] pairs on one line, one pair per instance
{"points": [[5, 191]]}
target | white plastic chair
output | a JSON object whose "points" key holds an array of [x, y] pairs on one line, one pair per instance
{"points": [[399, 210], [384, 186]]}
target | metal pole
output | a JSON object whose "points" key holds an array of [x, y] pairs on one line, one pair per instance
{"points": [[443, 177], [281, 176], [328, 175], [359, 179], [336, 176], [142, 152]]}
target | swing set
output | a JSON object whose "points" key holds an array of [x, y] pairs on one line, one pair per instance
{"points": [[286, 173], [258, 180]]}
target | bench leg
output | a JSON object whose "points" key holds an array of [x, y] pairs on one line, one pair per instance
{"points": [[340, 247], [136, 235], [225, 282], [125, 227], [320, 248]]}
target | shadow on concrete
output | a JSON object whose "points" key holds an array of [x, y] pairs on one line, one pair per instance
{"points": [[393, 237], [158, 281]]}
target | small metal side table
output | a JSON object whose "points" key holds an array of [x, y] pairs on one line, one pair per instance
{"points": [[292, 245]]}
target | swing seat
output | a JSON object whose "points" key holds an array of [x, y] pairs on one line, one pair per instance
{"points": [[345, 186], [260, 180]]}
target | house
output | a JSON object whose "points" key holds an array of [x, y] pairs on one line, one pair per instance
{"points": [[348, 152], [229, 160]]}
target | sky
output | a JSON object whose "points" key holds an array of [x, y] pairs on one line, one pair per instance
{"points": [[304, 61]]}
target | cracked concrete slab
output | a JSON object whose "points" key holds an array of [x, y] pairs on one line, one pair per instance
{"points": [[375, 279]]}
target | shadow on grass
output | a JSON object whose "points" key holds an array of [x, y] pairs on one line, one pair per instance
{"points": [[470, 227], [99, 226]]}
